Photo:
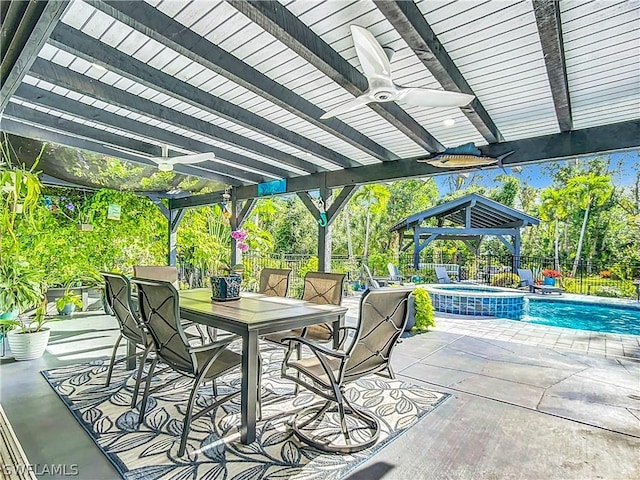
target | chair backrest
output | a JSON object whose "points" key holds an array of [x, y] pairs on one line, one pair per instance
{"points": [[526, 276], [323, 288], [160, 312], [383, 316], [163, 274], [442, 275], [394, 274], [118, 293], [274, 281]]}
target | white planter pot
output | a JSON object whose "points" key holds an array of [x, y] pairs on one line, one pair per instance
{"points": [[27, 346]]}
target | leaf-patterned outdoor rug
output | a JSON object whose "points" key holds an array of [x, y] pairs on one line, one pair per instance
{"points": [[214, 450]]}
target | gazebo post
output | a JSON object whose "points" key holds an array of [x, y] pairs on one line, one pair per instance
{"points": [[516, 250], [416, 247]]}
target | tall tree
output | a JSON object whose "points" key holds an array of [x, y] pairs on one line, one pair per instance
{"points": [[374, 199], [507, 193], [554, 208], [588, 190]]}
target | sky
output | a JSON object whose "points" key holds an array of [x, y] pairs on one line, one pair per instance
{"points": [[537, 176]]}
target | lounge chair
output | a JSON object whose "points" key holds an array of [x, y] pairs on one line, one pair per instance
{"points": [[394, 274], [442, 275], [526, 278], [369, 280]]}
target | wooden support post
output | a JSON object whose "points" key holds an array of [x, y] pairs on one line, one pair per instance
{"points": [[175, 217], [331, 210]]}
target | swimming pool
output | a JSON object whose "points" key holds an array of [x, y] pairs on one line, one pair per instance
{"points": [[583, 316]]}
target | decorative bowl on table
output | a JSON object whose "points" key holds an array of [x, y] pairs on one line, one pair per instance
{"points": [[225, 288]]}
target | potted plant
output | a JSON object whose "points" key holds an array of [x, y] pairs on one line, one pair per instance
{"points": [[227, 287], [68, 302], [550, 276], [28, 339]]}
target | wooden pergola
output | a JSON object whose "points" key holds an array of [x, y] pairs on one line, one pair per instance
{"points": [[468, 219], [250, 80]]}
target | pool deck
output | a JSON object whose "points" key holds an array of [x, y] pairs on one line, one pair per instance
{"points": [[527, 402]]}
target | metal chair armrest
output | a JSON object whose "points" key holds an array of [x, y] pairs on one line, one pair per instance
{"points": [[345, 336], [217, 344], [315, 347]]}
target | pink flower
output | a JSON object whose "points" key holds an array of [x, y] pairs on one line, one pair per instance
{"points": [[243, 247], [239, 235]]}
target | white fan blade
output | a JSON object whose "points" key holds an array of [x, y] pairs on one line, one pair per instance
{"points": [[427, 97], [373, 59], [189, 159], [348, 106]]}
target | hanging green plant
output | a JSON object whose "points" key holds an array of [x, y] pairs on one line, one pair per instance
{"points": [[19, 190]]}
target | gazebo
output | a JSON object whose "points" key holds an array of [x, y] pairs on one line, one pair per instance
{"points": [[468, 219]]}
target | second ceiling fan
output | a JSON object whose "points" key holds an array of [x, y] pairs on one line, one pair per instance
{"points": [[377, 68], [166, 163]]}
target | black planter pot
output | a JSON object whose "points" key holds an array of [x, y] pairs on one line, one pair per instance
{"points": [[411, 313]]}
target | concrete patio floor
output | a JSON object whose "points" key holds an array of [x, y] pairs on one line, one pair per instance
{"points": [[520, 408]]}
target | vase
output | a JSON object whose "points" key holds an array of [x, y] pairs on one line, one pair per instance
{"points": [[549, 281], [27, 346], [68, 309], [225, 288]]}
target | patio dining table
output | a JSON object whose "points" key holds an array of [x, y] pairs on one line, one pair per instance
{"points": [[250, 317]]}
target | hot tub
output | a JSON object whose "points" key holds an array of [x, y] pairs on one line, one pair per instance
{"points": [[477, 301]]}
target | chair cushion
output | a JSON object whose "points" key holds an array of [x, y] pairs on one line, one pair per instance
{"points": [[224, 362], [312, 368]]}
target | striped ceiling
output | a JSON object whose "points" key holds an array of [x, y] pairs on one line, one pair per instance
{"points": [[249, 80]]}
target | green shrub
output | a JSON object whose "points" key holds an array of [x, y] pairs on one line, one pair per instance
{"points": [[423, 311], [510, 280]]}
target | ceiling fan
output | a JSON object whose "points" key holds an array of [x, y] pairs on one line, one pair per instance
{"points": [[166, 163], [377, 69]]}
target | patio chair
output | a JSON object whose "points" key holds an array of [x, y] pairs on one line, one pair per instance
{"points": [[169, 274], [526, 278], [160, 312], [383, 316], [274, 281], [118, 294], [442, 275], [394, 274], [321, 288]]}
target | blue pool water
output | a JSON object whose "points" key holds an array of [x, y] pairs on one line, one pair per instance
{"points": [[584, 316]]}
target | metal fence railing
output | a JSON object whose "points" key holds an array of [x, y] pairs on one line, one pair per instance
{"points": [[590, 278]]}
